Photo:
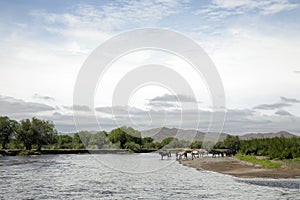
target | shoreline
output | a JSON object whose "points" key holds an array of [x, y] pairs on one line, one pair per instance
{"points": [[238, 168], [23, 152]]}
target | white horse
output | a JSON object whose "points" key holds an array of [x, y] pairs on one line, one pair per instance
{"points": [[202, 152]]}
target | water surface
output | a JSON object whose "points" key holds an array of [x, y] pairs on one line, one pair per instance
{"points": [[131, 176]]}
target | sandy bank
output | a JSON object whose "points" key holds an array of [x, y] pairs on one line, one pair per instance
{"points": [[238, 168]]}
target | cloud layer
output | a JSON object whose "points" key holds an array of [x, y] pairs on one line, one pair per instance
{"points": [[237, 120], [220, 9]]}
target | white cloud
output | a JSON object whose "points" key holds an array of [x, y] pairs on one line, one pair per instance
{"points": [[220, 9], [113, 15], [278, 7]]}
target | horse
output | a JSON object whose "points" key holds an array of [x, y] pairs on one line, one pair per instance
{"points": [[202, 152], [251, 151], [181, 154], [194, 153], [231, 152], [164, 153], [216, 152]]}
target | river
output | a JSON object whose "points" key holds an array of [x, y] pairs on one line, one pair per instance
{"points": [[128, 176]]}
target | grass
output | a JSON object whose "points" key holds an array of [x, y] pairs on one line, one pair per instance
{"points": [[293, 163], [296, 159], [264, 163]]}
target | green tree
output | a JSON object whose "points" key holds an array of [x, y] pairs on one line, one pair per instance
{"points": [[85, 137], [196, 145], [64, 142], [232, 142], [7, 129], [37, 132], [118, 137], [146, 140], [166, 141], [150, 145], [77, 143], [25, 134], [44, 132], [132, 146], [132, 135], [99, 139]]}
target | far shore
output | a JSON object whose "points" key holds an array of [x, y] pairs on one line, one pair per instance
{"points": [[239, 168], [61, 151], [22, 152]]}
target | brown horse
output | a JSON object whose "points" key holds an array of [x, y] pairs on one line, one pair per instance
{"points": [[181, 154], [194, 153]]}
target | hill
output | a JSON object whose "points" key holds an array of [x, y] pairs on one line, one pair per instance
{"points": [[250, 136], [158, 134]]}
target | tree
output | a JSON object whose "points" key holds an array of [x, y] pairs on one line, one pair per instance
{"points": [[77, 143], [124, 134], [118, 137], [37, 132], [196, 145], [99, 139], [25, 134], [232, 142], [85, 137], [147, 140], [7, 129], [64, 142], [132, 146], [43, 131], [132, 135], [166, 141]]}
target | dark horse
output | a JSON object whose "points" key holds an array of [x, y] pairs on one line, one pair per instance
{"points": [[251, 151], [217, 152], [164, 153], [230, 152]]}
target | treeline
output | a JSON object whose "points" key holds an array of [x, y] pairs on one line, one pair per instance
{"points": [[26, 133], [274, 148], [37, 134], [119, 138]]}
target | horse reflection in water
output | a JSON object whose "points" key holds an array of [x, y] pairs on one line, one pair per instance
{"points": [[165, 153]]}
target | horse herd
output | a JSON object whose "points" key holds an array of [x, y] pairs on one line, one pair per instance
{"points": [[197, 153]]}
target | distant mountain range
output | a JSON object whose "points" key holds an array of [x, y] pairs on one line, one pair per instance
{"points": [[158, 134], [249, 136]]}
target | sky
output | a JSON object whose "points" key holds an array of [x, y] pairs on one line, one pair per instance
{"points": [[254, 45]]}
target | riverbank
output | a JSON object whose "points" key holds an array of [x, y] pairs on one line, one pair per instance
{"points": [[242, 169]]}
